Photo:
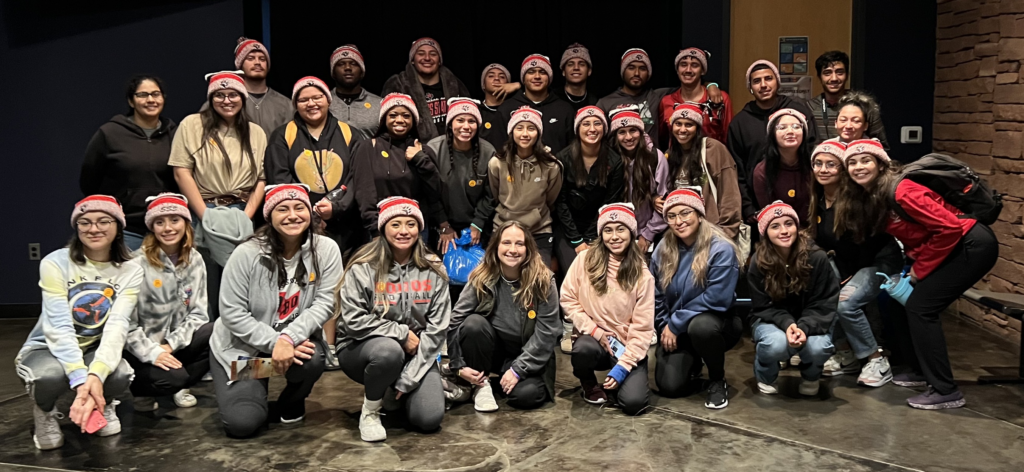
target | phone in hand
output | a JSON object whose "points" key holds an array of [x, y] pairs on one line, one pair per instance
{"points": [[96, 422], [618, 349]]}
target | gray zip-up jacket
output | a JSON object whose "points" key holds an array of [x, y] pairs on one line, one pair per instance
{"points": [[363, 113], [250, 297], [419, 301], [172, 306]]}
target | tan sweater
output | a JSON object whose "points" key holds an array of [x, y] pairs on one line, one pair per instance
{"points": [[629, 316], [526, 193]]}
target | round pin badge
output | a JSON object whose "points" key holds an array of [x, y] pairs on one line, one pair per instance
{"points": [[367, 105], [384, 153], [532, 314], [472, 183], [158, 283], [791, 193], [487, 125]]}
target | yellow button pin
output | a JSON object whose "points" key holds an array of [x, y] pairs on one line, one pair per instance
{"points": [[158, 283], [384, 153], [532, 314], [487, 125], [472, 183], [791, 193], [367, 105]]}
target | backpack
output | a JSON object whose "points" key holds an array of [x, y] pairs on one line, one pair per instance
{"points": [[956, 183]]}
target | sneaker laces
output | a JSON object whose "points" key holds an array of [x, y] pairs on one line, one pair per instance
{"points": [[52, 428]]}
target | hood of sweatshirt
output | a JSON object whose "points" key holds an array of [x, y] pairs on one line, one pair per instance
{"points": [[783, 102], [130, 126]]}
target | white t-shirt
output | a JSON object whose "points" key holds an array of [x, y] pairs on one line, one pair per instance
{"points": [[288, 296]]}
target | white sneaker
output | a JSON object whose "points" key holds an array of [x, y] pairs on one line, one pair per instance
{"points": [[48, 435], [875, 373], [144, 404], [767, 389], [566, 344], [483, 398], [795, 360], [208, 377], [113, 423], [843, 362], [654, 339], [809, 387], [184, 399], [370, 428]]}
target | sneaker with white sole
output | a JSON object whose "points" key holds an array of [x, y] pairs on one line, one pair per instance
{"points": [[331, 362], [185, 399], [718, 395], [843, 362], [654, 340], [47, 435], [875, 373], [933, 400], [767, 389], [909, 379], [208, 377], [566, 344], [795, 360], [113, 423], [370, 427], [483, 398], [809, 387]]}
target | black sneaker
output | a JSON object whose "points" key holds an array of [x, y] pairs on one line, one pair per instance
{"points": [[718, 395], [293, 413]]}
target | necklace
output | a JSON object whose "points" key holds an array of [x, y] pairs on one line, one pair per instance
{"points": [[257, 102], [510, 282], [577, 101]]}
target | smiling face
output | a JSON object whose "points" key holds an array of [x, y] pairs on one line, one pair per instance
{"points": [[494, 80], [537, 79], [255, 65], [616, 237], [833, 77], [96, 230], [789, 132], [402, 232], [782, 232], [576, 71], [464, 128], [689, 71], [851, 124], [636, 75], [168, 231], [311, 105], [826, 169], [863, 169], [684, 221], [227, 103], [399, 121], [763, 85], [591, 130], [149, 106], [427, 60], [290, 219], [512, 251], [347, 73], [525, 135], [629, 137], [684, 130]]}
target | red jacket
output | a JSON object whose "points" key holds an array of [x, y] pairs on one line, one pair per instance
{"points": [[714, 127], [936, 228]]}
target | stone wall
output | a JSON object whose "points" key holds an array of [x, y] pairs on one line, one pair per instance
{"points": [[979, 119]]}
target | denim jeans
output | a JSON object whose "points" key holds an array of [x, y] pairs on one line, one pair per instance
{"points": [[851, 322], [772, 348], [133, 241]]}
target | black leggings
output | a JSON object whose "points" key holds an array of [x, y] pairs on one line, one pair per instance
{"points": [[153, 381], [488, 351], [707, 338], [969, 261], [588, 356]]}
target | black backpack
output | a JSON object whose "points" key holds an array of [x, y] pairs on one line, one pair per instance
{"points": [[956, 183]]}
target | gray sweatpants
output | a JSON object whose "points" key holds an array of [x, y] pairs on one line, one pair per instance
{"points": [[46, 381], [377, 363]]}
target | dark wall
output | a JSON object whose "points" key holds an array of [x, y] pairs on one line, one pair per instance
{"points": [[62, 75]]}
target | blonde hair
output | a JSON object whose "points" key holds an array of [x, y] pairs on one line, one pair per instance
{"points": [[151, 248], [534, 278], [669, 253], [377, 254]]}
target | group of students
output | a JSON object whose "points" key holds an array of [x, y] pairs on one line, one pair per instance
{"points": [[592, 235]]}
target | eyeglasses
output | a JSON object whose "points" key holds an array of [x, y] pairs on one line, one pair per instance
{"points": [[102, 225], [315, 98], [829, 165], [226, 97], [681, 216], [792, 126], [145, 95]]}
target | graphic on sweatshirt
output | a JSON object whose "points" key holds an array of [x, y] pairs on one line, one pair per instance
{"points": [[438, 107], [420, 291], [313, 168], [288, 302], [90, 305]]}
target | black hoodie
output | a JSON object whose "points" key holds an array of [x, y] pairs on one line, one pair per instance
{"points": [[748, 140], [813, 310], [122, 162], [556, 114], [408, 82]]}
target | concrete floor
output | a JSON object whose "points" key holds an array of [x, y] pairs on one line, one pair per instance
{"points": [[845, 428]]}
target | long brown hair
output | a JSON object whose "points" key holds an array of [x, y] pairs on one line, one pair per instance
{"points": [[639, 176], [818, 193], [686, 160], [862, 211], [668, 253], [534, 276], [151, 248], [510, 150], [212, 121], [783, 277], [378, 255], [630, 267]]}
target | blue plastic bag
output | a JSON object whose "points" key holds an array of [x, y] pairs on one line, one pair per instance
{"points": [[463, 258]]}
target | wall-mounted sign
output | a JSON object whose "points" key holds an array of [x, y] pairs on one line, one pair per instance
{"points": [[793, 55]]}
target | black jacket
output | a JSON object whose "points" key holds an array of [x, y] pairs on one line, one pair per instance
{"points": [[380, 170], [748, 140], [880, 251], [122, 162], [492, 129], [588, 99], [813, 310], [408, 82], [557, 116], [465, 195], [577, 207]]}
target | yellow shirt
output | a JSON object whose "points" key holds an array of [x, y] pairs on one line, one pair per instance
{"points": [[212, 174]]}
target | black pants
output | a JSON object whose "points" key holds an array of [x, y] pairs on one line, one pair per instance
{"points": [[969, 261], [545, 246], [488, 351], [707, 338], [213, 274], [153, 381], [588, 356]]}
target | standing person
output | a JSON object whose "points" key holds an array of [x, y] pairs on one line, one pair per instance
{"points": [[429, 84], [784, 172], [263, 105], [793, 295], [646, 173], [747, 140], [857, 264], [127, 157], [576, 68], [608, 294], [492, 125], [635, 70], [833, 68], [351, 103], [696, 268], [217, 156], [696, 160], [951, 252], [506, 323], [394, 311], [89, 291], [278, 292], [394, 163], [536, 74], [168, 343], [715, 105], [525, 180]]}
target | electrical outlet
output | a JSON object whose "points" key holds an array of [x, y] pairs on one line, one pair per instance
{"points": [[33, 251]]}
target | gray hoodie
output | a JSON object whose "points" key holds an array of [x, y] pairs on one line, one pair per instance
{"points": [[172, 306], [419, 302], [249, 300]]}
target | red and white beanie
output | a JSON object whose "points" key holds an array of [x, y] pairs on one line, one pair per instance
{"points": [[535, 60], [866, 146], [277, 194], [483, 76], [393, 207], [776, 209], [687, 111], [616, 213], [699, 54], [398, 100], [784, 112], [310, 81], [762, 62], [429, 42], [575, 50], [623, 116], [832, 147], [226, 80], [527, 114], [104, 203], [587, 112], [462, 106], [634, 55], [166, 204], [245, 46], [689, 196], [348, 51]]}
